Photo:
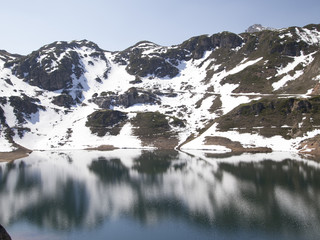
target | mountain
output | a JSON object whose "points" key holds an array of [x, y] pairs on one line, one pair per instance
{"points": [[258, 28], [225, 92]]}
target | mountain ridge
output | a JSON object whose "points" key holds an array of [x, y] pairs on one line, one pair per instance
{"points": [[75, 95]]}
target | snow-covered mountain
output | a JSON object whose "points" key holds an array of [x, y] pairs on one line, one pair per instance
{"points": [[225, 92]]}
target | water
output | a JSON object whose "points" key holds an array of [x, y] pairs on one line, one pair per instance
{"points": [[134, 194]]}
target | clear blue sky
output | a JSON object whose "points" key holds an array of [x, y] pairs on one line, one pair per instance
{"points": [[27, 25]]}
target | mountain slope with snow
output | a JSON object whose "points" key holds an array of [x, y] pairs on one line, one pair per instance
{"points": [[246, 88]]}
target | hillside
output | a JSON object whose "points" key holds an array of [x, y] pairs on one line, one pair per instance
{"points": [[255, 91]]}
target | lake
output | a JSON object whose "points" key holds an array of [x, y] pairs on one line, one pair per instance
{"points": [[136, 194]]}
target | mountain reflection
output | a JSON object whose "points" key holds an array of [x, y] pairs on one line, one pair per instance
{"points": [[83, 189], [109, 171]]}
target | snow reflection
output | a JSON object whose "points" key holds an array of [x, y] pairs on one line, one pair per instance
{"points": [[84, 189]]}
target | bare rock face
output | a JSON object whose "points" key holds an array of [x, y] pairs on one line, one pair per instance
{"points": [[3, 234]]}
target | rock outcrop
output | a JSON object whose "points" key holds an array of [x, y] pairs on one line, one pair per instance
{"points": [[102, 122], [53, 66], [3, 234], [129, 98]]}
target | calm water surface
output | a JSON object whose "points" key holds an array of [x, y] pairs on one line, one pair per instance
{"points": [[134, 194]]}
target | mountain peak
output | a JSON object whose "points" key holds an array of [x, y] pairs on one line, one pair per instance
{"points": [[257, 28], [63, 45]]}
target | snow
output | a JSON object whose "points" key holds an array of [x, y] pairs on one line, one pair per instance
{"points": [[216, 79], [55, 64], [230, 101], [5, 146], [276, 143], [46, 135], [316, 78], [243, 65], [151, 48], [305, 60], [56, 128], [289, 35], [285, 79], [191, 76], [49, 129], [126, 139], [11, 119], [188, 87], [118, 78], [311, 37]]}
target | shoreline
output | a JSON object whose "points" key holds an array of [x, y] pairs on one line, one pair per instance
{"points": [[20, 152]]}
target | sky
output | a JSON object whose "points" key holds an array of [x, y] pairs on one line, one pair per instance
{"points": [[116, 25]]}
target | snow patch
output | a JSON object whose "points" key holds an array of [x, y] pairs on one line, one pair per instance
{"points": [[311, 37], [5, 145], [305, 60], [289, 35], [276, 143], [281, 83]]}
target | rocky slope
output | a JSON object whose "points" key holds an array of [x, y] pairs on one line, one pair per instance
{"points": [[255, 90]]}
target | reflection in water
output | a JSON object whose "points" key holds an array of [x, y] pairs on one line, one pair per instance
{"points": [[70, 192]]}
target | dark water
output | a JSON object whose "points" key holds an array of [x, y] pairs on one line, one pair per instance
{"points": [[133, 194]]}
